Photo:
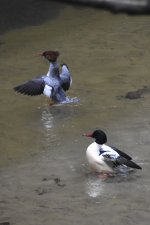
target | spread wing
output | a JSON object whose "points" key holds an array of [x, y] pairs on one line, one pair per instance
{"points": [[65, 76], [32, 87]]}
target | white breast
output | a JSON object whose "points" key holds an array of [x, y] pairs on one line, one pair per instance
{"points": [[47, 91], [96, 161]]}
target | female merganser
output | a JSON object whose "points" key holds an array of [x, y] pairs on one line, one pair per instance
{"points": [[65, 75], [103, 158], [49, 85]]}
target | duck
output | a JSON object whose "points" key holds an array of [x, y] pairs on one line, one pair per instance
{"points": [[65, 75], [49, 84], [106, 159]]}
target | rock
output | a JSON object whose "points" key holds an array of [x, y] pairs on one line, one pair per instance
{"points": [[42, 190], [58, 182], [138, 93], [133, 95], [116, 6]]}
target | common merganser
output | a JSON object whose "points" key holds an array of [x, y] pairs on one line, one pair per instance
{"points": [[103, 158], [49, 85], [65, 75]]}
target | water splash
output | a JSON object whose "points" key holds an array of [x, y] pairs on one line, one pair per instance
{"points": [[70, 100]]}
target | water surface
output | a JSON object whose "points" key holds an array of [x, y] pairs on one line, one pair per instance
{"points": [[44, 175]]}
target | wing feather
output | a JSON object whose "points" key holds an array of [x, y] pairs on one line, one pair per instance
{"points": [[122, 153], [32, 87], [120, 160], [65, 77]]}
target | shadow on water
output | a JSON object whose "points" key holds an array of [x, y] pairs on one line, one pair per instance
{"points": [[16, 14]]}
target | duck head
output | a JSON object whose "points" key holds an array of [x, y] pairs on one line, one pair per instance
{"points": [[50, 55], [99, 136]]}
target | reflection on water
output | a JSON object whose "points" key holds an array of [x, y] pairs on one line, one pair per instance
{"points": [[47, 120], [99, 186], [48, 123], [94, 186]]}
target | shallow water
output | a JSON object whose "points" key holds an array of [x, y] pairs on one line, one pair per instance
{"points": [[44, 175]]}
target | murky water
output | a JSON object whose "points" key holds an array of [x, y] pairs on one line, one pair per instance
{"points": [[43, 172]]}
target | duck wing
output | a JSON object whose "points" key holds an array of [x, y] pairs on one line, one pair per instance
{"points": [[32, 87], [109, 160], [113, 161], [65, 76], [121, 160], [121, 153], [59, 95]]}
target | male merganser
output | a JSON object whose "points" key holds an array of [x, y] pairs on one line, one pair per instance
{"points": [[65, 76], [49, 85], [103, 158]]}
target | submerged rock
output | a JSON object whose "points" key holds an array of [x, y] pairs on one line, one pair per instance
{"points": [[129, 6], [134, 94]]}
